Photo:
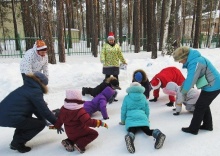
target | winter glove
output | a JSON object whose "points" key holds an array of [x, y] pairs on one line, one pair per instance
{"points": [[174, 109], [56, 112], [153, 100], [59, 130], [177, 113], [170, 104], [122, 123], [100, 123]]}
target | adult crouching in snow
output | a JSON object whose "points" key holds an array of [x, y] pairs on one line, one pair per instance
{"points": [[17, 108]]}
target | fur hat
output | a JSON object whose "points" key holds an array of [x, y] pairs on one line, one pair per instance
{"points": [[155, 83], [42, 77], [138, 77], [40, 44], [111, 36], [135, 84], [171, 88], [181, 53]]}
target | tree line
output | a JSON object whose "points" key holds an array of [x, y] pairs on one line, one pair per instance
{"points": [[144, 22]]}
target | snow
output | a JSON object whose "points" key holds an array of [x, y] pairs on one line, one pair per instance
{"points": [[81, 71]]}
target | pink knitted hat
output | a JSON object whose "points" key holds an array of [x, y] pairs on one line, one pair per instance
{"points": [[73, 94]]}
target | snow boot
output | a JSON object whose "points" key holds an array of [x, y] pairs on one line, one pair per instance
{"points": [[81, 150], [20, 147], [68, 144], [160, 137], [129, 139]]}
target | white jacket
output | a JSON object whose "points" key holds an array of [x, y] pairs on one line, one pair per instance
{"points": [[33, 62]]}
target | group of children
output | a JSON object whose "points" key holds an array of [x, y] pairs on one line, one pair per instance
{"points": [[76, 114]]}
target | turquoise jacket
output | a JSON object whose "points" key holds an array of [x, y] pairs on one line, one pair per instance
{"points": [[135, 109], [198, 66]]}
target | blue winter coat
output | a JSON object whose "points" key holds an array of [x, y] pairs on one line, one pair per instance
{"points": [[21, 103], [197, 66], [99, 102], [135, 110]]}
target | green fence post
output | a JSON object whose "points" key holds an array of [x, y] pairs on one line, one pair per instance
{"points": [[19, 42]]}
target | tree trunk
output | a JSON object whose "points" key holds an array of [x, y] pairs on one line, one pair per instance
{"points": [[213, 22], [60, 31], [94, 28], [154, 36], [88, 14], [178, 22], [149, 24], [15, 27], [120, 22], [168, 8], [144, 25], [137, 26], [198, 24], [27, 24], [69, 22], [46, 33]]}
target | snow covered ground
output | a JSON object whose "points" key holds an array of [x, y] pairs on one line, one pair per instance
{"points": [[80, 71]]}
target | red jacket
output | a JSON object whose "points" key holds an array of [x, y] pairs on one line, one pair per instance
{"points": [[76, 122], [169, 74]]}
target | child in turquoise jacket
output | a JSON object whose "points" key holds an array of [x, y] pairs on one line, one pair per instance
{"points": [[135, 115]]}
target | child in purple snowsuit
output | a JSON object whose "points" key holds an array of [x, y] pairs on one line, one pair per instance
{"points": [[99, 102]]}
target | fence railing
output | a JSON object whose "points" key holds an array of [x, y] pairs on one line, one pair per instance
{"points": [[79, 47]]}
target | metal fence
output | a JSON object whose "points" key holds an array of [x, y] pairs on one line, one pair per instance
{"points": [[79, 47]]}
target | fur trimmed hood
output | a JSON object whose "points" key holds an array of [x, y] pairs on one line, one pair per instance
{"points": [[38, 80], [144, 75]]}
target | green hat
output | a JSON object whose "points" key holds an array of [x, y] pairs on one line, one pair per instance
{"points": [[181, 53]]}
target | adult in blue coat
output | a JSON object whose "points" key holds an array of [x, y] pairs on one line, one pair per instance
{"points": [[135, 115], [17, 108], [201, 72]]}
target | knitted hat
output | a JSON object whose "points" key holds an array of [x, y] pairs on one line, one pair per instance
{"points": [[73, 94], [181, 53], [135, 84], [111, 36], [40, 44], [138, 76], [42, 77], [73, 99], [171, 88], [115, 84], [155, 83]]}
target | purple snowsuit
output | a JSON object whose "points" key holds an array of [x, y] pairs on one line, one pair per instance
{"points": [[99, 102]]}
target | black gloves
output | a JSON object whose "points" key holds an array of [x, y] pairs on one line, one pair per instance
{"points": [[56, 112], [170, 104], [60, 130], [153, 100], [177, 113]]}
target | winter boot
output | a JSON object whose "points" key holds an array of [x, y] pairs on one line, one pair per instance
{"points": [[83, 91], [81, 150], [129, 139], [20, 147], [160, 137], [68, 144]]}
